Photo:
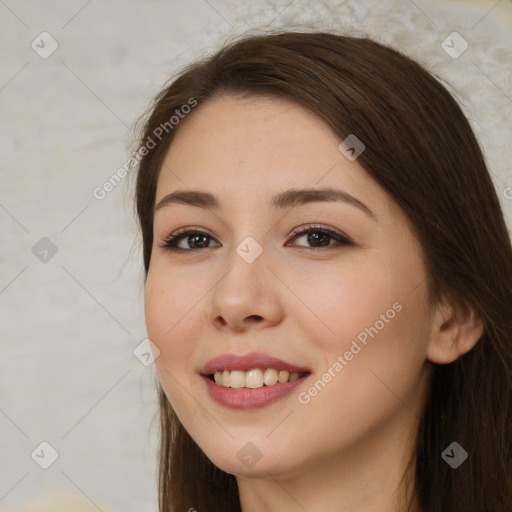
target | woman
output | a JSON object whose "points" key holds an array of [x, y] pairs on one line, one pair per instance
{"points": [[328, 283]]}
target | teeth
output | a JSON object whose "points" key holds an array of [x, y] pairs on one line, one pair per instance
{"points": [[237, 379], [270, 377], [283, 376], [254, 379]]}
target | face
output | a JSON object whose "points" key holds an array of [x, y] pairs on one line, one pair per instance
{"points": [[251, 297]]}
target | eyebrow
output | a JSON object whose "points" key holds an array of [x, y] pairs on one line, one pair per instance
{"points": [[288, 199]]}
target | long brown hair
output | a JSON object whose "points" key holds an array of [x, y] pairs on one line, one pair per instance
{"points": [[420, 148]]}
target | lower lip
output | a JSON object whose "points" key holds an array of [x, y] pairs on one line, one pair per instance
{"points": [[246, 398]]}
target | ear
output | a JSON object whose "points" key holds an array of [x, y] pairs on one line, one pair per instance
{"points": [[456, 329]]}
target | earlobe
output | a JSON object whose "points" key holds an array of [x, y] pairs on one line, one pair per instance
{"points": [[456, 328]]}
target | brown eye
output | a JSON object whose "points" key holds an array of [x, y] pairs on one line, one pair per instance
{"points": [[194, 238], [316, 236], [319, 237]]}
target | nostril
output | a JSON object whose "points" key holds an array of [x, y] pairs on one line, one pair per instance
{"points": [[254, 318]]}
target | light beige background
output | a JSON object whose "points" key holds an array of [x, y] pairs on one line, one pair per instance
{"points": [[68, 327]]}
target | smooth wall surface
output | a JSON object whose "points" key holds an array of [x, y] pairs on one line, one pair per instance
{"points": [[78, 427]]}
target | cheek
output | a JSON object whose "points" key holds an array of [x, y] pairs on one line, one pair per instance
{"points": [[374, 365], [369, 297], [169, 315], [167, 321], [349, 303], [375, 321]]}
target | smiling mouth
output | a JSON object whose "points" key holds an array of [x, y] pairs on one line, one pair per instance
{"points": [[255, 378]]}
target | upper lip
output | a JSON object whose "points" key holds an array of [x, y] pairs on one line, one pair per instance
{"points": [[249, 362]]}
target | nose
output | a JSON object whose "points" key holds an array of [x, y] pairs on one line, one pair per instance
{"points": [[247, 296]]}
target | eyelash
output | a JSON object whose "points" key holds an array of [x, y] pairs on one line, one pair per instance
{"points": [[170, 242]]}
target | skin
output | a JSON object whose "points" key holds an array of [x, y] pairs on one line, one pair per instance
{"points": [[348, 447]]}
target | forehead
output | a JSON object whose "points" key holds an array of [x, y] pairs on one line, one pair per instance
{"points": [[253, 148]]}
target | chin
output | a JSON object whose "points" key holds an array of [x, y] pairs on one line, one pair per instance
{"points": [[258, 458], [257, 469]]}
